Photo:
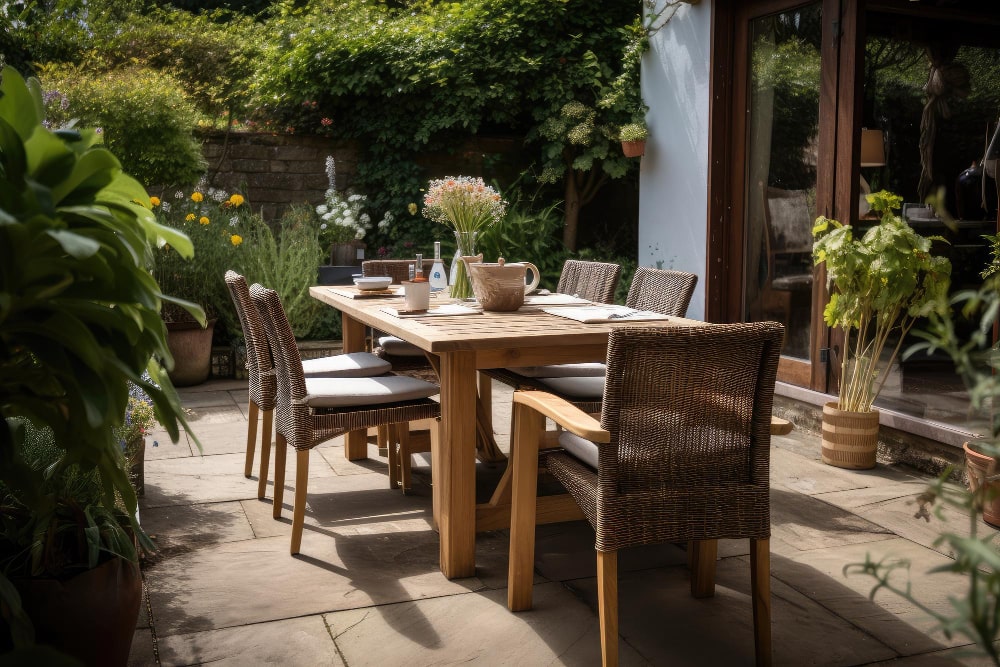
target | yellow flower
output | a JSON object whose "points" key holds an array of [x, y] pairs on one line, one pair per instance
{"points": [[197, 196], [204, 220], [412, 208], [189, 217], [155, 201], [236, 239], [236, 200]]}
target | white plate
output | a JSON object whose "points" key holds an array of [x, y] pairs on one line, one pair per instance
{"points": [[372, 283]]}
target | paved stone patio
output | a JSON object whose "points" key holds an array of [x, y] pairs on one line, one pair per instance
{"points": [[366, 589]]}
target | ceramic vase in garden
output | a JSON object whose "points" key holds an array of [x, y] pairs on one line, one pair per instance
{"points": [[881, 284], [468, 206]]}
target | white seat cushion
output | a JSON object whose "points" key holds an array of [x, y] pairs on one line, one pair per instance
{"points": [[562, 370], [398, 347], [580, 448], [350, 392], [350, 365], [576, 387]]}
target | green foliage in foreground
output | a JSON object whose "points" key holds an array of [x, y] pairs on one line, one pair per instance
{"points": [[79, 313]]}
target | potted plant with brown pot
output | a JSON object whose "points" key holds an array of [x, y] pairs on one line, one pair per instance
{"points": [[881, 284], [79, 320], [633, 137]]}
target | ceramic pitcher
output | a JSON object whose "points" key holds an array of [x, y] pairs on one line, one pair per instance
{"points": [[501, 287]]}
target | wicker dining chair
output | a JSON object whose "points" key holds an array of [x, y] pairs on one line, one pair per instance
{"points": [[261, 380], [314, 411], [681, 454], [661, 291], [594, 281]]}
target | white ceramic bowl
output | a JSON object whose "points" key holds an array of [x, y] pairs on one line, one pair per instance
{"points": [[372, 283]]}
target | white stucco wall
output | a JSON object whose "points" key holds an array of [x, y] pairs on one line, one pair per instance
{"points": [[673, 177]]}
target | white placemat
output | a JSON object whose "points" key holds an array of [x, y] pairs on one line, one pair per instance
{"points": [[554, 300], [446, 310], [609, 313]]}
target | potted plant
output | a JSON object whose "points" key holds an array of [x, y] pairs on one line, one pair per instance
{"points": [[79, 320], [882, 283], [217, 224], [633, 137], [139, 419]]}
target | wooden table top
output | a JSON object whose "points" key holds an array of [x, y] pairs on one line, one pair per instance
{"points": [[526, 328]]}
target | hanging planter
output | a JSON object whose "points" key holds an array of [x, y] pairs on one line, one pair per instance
{"points": [[633, 137]]}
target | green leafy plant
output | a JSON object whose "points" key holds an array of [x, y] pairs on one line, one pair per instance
{"points": [[882, 284], [633, 132], [79, 320], [219, 225], [286, 260], [143, 113]]}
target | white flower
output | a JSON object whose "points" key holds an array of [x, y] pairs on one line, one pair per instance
{"points": [[348, 221], [321, 209], [331, 173], [354, 198], [179, 194], [323, 226], [365, 218], [360, 234], [383, 224], [165, 205], [233, 221], [328, 216]]}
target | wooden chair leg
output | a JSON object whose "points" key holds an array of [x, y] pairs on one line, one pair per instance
{"points": [[760, 591], [607, 605], [435, 466], [392, 437], [265, 453], [299, 509], [251, 438], [524, 460], [486, 398], [382, 438], [702, 560], [405, 456], [280, 447]]}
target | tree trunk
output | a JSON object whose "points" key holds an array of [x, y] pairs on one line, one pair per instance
{"points": [[573, 203]]}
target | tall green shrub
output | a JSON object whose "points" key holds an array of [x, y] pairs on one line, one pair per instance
{"points": [[146, 119]]}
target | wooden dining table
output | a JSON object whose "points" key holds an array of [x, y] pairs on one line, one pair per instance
{"points": [[459, 346]]}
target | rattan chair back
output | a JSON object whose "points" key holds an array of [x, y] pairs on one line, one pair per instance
{"points": [[594, 281], [689, 413], [397, 269], [260, 366], [661, 290]]}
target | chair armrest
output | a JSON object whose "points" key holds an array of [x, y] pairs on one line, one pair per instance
{"points": [[563, 413]]}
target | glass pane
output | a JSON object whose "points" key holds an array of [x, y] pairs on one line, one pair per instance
{"points": [[935, 104], [781, 171]]}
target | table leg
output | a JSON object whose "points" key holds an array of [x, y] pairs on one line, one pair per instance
{"points": [[355, 442], [456, 465]]}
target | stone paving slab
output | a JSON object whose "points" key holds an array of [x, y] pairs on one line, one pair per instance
{"points": [[894, 621], [184, 527], [803, 523], [660, 619], [159, 446], [201, 479], [296, 642], [255, 581], [222, 438], [810, 476], [474, 628]]}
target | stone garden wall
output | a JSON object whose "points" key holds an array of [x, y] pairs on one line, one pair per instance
{"points": [[275, 171]]}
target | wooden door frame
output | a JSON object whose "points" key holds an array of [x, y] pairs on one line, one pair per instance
{"points": [[837, 175]]}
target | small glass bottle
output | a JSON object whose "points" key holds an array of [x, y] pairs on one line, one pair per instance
{"points": [[438, 279], [418, 269]]}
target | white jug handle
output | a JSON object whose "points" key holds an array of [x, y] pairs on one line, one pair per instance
{"points": [[535, 277]]}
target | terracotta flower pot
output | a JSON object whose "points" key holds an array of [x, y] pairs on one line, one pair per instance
{"points": [[191, 347], [634, 148], [979, 468], [91, 616], [850, 439]]}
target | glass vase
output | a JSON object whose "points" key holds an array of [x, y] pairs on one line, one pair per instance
{"points": [[461, 285]]}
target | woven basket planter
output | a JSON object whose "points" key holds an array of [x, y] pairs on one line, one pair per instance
{"points": [[850, 439], [979, 468]]}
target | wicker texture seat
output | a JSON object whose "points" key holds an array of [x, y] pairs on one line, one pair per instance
{"points": [[305, 418], [682, 454], [261, 380]]}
